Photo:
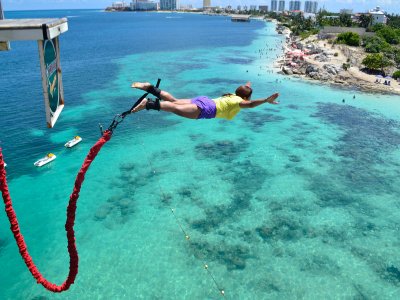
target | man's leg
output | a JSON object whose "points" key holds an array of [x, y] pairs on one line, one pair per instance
{"points": [[189, 110], [147, 87]]}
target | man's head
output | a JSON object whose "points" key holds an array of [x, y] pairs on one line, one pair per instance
{"points": [[244, 91]]}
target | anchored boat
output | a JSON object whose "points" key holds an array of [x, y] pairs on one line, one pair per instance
{"points": [[77, 139], [45, 160]]}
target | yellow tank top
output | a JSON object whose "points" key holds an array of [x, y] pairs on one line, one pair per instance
{"points": [[227, 106]]}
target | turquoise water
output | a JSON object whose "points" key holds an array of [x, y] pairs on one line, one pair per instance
{"points": [[295, 201]]}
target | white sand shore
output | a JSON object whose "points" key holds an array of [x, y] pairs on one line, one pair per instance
{"points": [[328, 66]]}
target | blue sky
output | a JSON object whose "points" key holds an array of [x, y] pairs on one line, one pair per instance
{"points": [[392, 6]]}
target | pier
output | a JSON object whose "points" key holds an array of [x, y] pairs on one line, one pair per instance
{"points": [[240, 18]]}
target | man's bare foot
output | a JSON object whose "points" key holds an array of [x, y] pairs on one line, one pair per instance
{"points": [[141, 85], [140, 106], [271, 99]]}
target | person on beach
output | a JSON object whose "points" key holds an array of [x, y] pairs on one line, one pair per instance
{"points": [[201, 107]]}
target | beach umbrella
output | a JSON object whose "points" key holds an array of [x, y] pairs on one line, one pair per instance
{"points": [[379, 76], [296, 53], [388, 77]]}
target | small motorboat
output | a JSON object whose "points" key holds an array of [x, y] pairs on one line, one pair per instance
{"points": [[45, 160], [5, 165], [77, 139]]}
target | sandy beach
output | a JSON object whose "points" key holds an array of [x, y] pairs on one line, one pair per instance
{"points": [[317, 60]]}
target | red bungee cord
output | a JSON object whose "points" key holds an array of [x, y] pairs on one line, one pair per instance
{"points": [[69, 224]]}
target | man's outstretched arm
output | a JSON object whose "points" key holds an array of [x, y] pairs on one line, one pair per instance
{"points": [[254, 103]]}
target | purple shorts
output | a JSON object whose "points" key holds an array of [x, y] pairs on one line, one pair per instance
{"points": [[207, 107]]}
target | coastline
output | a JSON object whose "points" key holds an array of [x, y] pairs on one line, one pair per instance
{"points": [[317, 61]]}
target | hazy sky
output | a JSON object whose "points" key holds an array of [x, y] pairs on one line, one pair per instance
{"points": [[392, 6]]}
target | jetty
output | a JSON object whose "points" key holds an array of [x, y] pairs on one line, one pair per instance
{"points": [[240, 18]]}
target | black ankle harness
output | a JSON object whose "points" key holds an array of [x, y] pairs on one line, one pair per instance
{"points": [[154, 90], [153, 104]]}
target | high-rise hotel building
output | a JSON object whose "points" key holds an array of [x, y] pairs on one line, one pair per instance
{"points": [[169, 4], [281, 6], [274, 5], [311, 7], [294, 5], [206, 3]]}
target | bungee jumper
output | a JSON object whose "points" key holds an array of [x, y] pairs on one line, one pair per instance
{"points": [[201, 107], [71, 209]]}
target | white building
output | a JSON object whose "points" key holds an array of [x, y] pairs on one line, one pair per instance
{"points": [[239, 8], [311, 7], [378, 16], [294, 5], [274, 5], [311, 16], [119, 5], [169, 4], [206, 3], [186, 7], [144, 5], [281, 6]]}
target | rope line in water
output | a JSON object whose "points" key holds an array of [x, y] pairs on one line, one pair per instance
{"points": [[187, 236], [69, 225]]}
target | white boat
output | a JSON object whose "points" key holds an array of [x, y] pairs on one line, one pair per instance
{"points": [[45, 160], [5, 165], [77, 139]]}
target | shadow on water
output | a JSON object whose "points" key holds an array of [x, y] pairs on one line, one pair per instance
{"points": [[257, 119], [220, 218], [221, 81], [224, 150], [120, 208], [237, 60], [362, 171], [3, 244], [367, 138], [241, 192], [233, 256]]}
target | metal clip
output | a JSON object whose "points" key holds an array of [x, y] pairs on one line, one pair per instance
{"points": [[101, 129], [117, 119]]}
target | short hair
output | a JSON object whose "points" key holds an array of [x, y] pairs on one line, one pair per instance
{"points": [[244, 91]]}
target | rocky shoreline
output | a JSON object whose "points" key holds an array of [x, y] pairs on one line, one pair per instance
{"points": [[336, 65]]}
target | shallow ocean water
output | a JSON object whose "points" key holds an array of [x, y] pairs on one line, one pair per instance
{"points": [[294, 201]]}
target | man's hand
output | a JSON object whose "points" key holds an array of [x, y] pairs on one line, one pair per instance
{"points": [[271, 99]]}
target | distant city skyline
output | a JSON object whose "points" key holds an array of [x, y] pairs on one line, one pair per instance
{"points": [[391, 6]]}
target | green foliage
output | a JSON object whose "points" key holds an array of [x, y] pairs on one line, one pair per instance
{"points": [[365, 20], [394, 21], [375, 44], [342, 20], [306, 34], [377, 27], [301, 26], [345, 20], [376, 61], [345, 66], [349, 38], [396, 56], [389, 34], [396, 74]]}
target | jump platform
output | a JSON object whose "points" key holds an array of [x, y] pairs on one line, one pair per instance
{"points": [[46, 32], [31, 29]]}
